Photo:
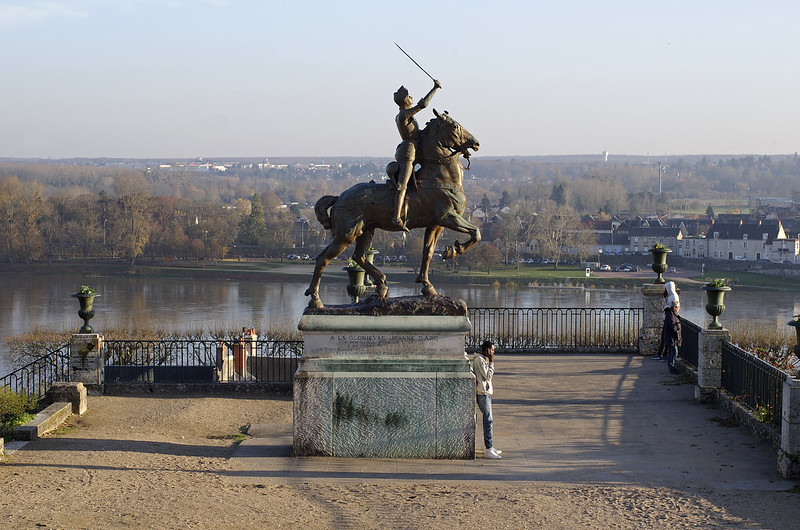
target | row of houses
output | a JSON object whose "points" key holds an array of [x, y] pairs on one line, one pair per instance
{"points": [[724, 238]]}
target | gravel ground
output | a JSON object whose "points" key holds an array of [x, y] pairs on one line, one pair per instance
{"points": [[162, 462]]}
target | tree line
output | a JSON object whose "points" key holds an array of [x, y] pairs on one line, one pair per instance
{"points": [[133, 209]]}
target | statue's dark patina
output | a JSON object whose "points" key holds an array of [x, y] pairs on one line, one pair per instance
{"points": [[438, 202]]}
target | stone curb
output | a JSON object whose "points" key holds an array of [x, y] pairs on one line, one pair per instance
{"points": [[47, 420]]}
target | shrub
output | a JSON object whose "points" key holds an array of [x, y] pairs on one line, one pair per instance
{"points": [[15, 410]]}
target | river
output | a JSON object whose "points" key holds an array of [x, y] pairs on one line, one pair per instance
{"points": [[189, 304]]}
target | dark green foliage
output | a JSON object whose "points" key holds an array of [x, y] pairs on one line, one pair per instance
{"points": [[15, 409]]}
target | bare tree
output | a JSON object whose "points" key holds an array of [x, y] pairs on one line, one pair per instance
{"points": [[130, 224]]}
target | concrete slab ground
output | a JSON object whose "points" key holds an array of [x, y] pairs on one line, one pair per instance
{"points": [[589, 418]]}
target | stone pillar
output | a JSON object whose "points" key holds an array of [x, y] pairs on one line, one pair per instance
{"points": [[86, 361], [650, 333], [709, 363], [391, 385], [789, 451]]}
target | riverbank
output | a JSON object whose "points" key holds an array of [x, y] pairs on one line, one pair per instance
{"points": [[505, 276]]}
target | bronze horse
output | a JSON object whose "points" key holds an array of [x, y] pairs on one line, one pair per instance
{"points": [[437, 203]]}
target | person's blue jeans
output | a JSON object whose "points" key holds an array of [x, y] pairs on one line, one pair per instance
{"points": [[672, 353], [485, 404]]}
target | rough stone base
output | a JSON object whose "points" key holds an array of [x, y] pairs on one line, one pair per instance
{"points": [[385, 379], [385, 409], [788, 465], [74, 393]]}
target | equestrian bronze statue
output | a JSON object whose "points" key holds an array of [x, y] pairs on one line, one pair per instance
{"points": [[438, 202]]}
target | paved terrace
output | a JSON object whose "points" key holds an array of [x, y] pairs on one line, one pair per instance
{"points": [[600, 419]]}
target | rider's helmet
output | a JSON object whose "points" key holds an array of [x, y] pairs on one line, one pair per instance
{"points": [[401, 95]]}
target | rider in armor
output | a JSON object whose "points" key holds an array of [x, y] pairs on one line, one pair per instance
{"points": [[405, 154]]}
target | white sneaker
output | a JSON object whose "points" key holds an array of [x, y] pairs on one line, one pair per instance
{"points": [[496, 450], [491, 453]]}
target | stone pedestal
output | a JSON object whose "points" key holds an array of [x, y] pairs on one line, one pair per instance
{"points": [[386, 385], [789, 452], [709, 363], [86, 361], [650, 332]]}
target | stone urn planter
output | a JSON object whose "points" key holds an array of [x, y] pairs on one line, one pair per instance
{"points": [[796, 325], [715, 293], [356, 287], [86, 298], [659, 261]]}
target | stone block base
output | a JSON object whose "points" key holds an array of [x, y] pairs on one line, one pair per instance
{"points": [[788, 465], [74, 393], [387, 378], [384, 409]]}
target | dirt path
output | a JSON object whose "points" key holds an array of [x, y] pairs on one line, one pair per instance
{"points": [[161, 462]]}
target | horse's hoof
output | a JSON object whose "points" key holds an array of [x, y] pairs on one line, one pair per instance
{"points": [[428, 290], [315, 303], [449, 252], [381, 290]]}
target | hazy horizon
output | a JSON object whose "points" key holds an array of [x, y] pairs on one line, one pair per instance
{"points": [[163, 79]]}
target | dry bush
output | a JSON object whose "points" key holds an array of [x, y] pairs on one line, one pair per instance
{"points": [[772, 345]]}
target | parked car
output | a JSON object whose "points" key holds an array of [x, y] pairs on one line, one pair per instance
{"points": [[605, 267], [673, 270]]}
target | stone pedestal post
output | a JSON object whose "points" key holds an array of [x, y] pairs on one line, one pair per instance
{"points": [[709, 363], [789, 452], [650, 333], [86, 361], [388, 386]]}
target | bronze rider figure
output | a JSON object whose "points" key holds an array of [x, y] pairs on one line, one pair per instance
{"points": [[405, 155]]}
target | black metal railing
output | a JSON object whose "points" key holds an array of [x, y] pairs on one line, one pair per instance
{"points": [[556, 329], [690, 342], [753, 382], [171, 361], [36, 377]]}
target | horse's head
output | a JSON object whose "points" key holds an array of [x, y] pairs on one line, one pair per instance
{"points": [[451, 135]]}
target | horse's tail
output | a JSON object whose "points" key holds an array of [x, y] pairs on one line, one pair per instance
{"points": [[321, 210]]}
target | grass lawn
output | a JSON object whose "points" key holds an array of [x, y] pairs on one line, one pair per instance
{"points": [[750, 279]]}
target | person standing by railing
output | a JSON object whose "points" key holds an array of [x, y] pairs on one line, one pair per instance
{"points": [[671, 333], [483, 368]]}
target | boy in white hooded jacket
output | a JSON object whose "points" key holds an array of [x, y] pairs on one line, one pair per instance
{"points": [[671, 333]]}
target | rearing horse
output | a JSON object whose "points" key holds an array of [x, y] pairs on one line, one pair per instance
{"points": [[436, 204]]}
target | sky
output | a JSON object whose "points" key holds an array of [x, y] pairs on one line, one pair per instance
{"points": [[265, 78]]}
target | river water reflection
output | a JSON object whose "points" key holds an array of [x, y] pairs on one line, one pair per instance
{"points": [[190, 304]]}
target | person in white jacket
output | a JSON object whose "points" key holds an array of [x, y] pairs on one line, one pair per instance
{"points": [[483, 368]]}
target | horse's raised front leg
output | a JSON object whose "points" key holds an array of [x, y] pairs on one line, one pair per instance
{"points": [[360, 256], [455, 222], [333, 249], [432, 234]]}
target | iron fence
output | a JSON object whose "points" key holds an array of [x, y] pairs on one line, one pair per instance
{"points": [[690, 335], [36, 377], [753, 382], [172, 361], [559, 329]]}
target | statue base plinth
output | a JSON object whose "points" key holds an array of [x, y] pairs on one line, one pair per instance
{"points": [[394, 386]]}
